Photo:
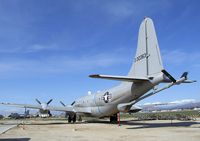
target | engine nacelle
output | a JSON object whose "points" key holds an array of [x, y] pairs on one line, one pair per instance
{"points": [[128, 108]]}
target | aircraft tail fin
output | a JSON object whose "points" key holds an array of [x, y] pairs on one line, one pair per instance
{"points": [[148, 60]]}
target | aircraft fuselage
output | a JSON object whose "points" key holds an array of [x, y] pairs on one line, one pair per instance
{"points": [[105, 103]]}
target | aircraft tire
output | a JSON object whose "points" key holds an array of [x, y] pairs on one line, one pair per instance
{"points": [[74, 118], [113, 119], [79, 118], [69, 119]]}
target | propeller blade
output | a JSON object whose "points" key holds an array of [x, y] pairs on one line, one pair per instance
{"points": [[38, 101], [62, 103], [169, 76], [73, 103], [49, 101]]}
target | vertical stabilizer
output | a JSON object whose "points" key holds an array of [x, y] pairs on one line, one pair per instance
{"points": [[148, 60]]}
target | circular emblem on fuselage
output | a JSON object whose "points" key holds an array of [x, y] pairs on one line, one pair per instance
{"points": [[106, 97]]}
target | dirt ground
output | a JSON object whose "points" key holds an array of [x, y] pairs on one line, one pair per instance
{"points": [[103, 131]]}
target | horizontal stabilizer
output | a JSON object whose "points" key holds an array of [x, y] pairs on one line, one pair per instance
{"points": [[183, 78], [120, 78], [189, 81]]}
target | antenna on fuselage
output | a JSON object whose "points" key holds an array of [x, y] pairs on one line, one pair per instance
{"points": [[89, 93]]}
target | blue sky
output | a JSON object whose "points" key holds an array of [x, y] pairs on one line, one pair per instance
{"points": [[48, 48]]}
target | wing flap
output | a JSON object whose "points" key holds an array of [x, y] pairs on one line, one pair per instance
{"points": [[120, 78], [62, 109], [71, 109]]}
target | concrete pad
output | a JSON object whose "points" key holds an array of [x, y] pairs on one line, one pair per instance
{"points": [[4, 128]]}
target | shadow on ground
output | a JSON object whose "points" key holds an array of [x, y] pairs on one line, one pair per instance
{"points": [[143, 124], [132, 124], [48, 123], [15, 139], [135, 124]]}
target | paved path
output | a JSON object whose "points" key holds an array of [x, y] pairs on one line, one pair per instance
{"points": [[4, 128]]}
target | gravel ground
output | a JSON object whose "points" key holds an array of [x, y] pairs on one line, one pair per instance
{"points": [[103, 131]]}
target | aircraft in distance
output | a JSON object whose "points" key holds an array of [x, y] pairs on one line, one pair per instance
{"points": [[146, 73], [43, 107], [171, 106], [18, 116], [1, 116]]}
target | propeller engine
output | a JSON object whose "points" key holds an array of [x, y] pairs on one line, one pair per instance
{"points": [[44, 105]]}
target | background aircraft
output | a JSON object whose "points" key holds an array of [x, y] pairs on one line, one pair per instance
{"points": [[43, 107], [146, 73], [18, 116]]}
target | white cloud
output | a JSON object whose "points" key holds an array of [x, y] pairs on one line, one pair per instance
{"points": [[177, 57], [60, 64], [154, 103], [172, 102], [183, 101], [174, 57], [29, 49], [39, 47], [118, 10]]}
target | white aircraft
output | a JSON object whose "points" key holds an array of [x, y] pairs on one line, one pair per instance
{"points": [[146, 73], [43, 107]]}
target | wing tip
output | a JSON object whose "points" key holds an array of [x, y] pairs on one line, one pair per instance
{"points": [[94, 75]]}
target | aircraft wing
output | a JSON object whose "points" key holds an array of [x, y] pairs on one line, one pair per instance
{"points": [[120, 78], [62, 109], [70, 109], [22, 105]]}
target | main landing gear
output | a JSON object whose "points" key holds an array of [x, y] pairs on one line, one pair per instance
{"points": [[113, 119], [72, 118]]}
